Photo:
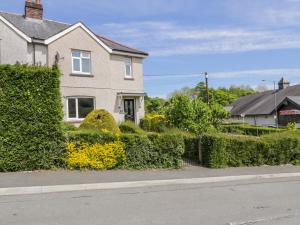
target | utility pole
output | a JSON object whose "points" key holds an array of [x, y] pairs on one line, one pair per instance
{"points": [[206, 85]]}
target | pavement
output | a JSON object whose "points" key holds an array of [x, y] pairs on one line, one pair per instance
{"points": [[247, 202], [66, 177]]}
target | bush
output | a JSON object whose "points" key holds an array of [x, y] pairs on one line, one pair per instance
{"points": [[100, 120], [68, 127], [90, 137], [153, 151], [142, 151], [130, 127], [95, 156], [221, 150], [154, 123], [30, 118], [249, 130]]}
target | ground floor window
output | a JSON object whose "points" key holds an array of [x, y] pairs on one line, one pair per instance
{"points": [[80, 107]]}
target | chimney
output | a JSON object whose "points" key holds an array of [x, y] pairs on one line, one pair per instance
{"points": [[33, 9], [283, 84]]}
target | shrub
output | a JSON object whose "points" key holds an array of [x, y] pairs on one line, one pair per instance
{"points": [[154, 123], [221, 150], [30, 118], [249, 130], [95, 156], [90, 137], [68, 127], [100, 120], [130, 127], [291, 126], [153, 150], [142, 150]]}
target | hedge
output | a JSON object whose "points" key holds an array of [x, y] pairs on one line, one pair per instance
{"points": [[30, 118], [249, 130], [222, 150], [142, 151]]}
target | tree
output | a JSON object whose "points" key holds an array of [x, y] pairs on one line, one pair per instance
{"points": [[218, 114], [154, 105], [190, 115]]}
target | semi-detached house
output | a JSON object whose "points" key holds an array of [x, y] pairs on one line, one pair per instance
{"points": [[98, 73]]}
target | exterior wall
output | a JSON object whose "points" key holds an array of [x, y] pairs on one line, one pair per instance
{"points": [[106, 80], [37, 53], [13, 48], [267, 120]]}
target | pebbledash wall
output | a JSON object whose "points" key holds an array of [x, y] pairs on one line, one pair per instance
{"points": [[107, 77]]}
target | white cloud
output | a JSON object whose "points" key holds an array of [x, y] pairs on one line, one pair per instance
{"points": [[167, 39], [255, 74]]}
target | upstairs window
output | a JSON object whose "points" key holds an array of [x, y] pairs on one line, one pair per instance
{"points": [[128, 68], [79, 108], [81, 62]]}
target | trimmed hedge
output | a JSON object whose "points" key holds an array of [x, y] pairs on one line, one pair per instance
{"points": [[30, 118], [249, 130], [130, 127], [142, 151], [222, 150]]}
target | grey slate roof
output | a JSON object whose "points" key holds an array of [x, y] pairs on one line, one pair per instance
{"points": [[264, 103], [38, 29], [294, 99], [43, 29]]}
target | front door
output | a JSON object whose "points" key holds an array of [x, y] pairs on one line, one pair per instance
{"points": [[129, 109]]}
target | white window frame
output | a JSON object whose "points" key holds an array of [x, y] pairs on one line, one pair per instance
{"points": [[76, 105], [128, 61], [80, 60]]}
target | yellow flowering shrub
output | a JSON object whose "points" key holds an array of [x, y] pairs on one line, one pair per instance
{"points": [[154, 122], [95, 156]]}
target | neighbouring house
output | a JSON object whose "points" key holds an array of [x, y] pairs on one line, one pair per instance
{"points": [[264, 108], [97, 72]]}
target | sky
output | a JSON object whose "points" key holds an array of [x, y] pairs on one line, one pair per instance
{"points": [[238, 42]]}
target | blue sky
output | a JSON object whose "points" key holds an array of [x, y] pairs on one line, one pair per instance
{"points": [[238, 42]]}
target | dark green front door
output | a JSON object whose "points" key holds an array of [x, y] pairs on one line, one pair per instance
{"points": [[129, 109]]}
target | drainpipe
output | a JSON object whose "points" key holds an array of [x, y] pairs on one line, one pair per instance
{"points": [[34, 58]]}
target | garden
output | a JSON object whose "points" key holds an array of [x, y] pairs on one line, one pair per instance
{"points": [[33, 136]]}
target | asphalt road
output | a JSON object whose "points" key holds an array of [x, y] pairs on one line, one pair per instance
{"points": [[264, 202]]}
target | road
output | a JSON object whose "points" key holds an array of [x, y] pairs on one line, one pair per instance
{"points": [[264, 202]]}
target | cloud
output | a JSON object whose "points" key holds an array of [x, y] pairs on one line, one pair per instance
{"points": [[260, 73], [162, 38]]}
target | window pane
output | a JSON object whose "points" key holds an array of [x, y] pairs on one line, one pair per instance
{"points": [[72, 107], [76, 53], [86, 65], [128, 70], [86, 54], [76, 65], [85, 106]]}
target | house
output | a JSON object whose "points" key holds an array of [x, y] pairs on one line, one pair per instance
{"points": [[264, 108], [97, 72]]}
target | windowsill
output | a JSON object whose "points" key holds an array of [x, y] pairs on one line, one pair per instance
{"points": [[128, 78], [75, 120], [81, 75]]}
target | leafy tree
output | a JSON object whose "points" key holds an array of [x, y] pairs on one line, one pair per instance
{"points": [[154, 105], [193, 116], [218, 114]]}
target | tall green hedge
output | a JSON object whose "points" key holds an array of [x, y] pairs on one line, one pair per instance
{"points": [[249, 130], [30, 117], [222, 150]]}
